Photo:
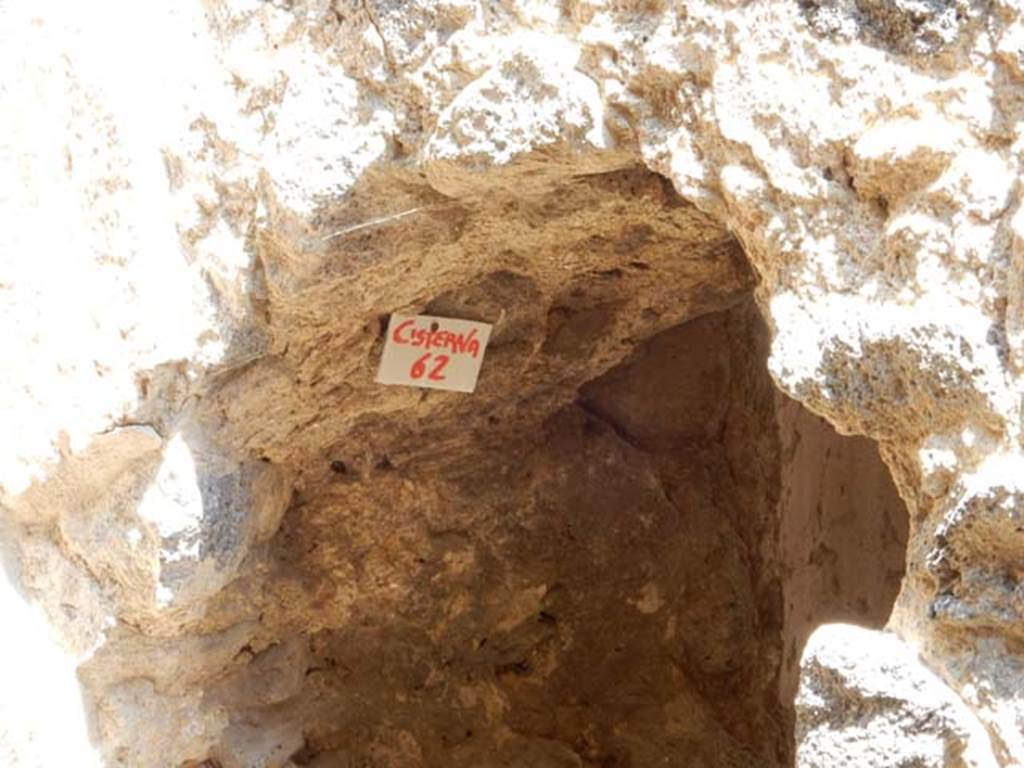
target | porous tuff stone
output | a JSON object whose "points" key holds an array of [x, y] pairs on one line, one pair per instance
{"points": [[866, 699], [209, 210]]}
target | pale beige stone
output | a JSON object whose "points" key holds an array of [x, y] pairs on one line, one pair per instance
{"points": [[209, 210]]}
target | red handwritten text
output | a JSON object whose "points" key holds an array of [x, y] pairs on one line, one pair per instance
{"points": [[456, 343]]}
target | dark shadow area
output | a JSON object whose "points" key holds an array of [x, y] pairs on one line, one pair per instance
{"points": [[629, 585], [609, 556]]}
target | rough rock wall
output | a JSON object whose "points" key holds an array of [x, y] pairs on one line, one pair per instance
{"points": [[602, 586], [206, 216], [843, 532]]}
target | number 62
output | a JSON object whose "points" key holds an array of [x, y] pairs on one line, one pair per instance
{"points": [[420, 367]]}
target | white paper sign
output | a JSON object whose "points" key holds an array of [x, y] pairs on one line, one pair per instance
{"points": [[433, 352]]}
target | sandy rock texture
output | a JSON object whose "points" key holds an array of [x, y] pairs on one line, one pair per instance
{"points": [[755, 275]]}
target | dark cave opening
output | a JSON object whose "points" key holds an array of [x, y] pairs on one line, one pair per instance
{"points": [[630, 584], [609, 555]]}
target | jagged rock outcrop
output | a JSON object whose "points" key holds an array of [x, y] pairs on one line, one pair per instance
{"points": [[245, 551], [866, 699]]}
